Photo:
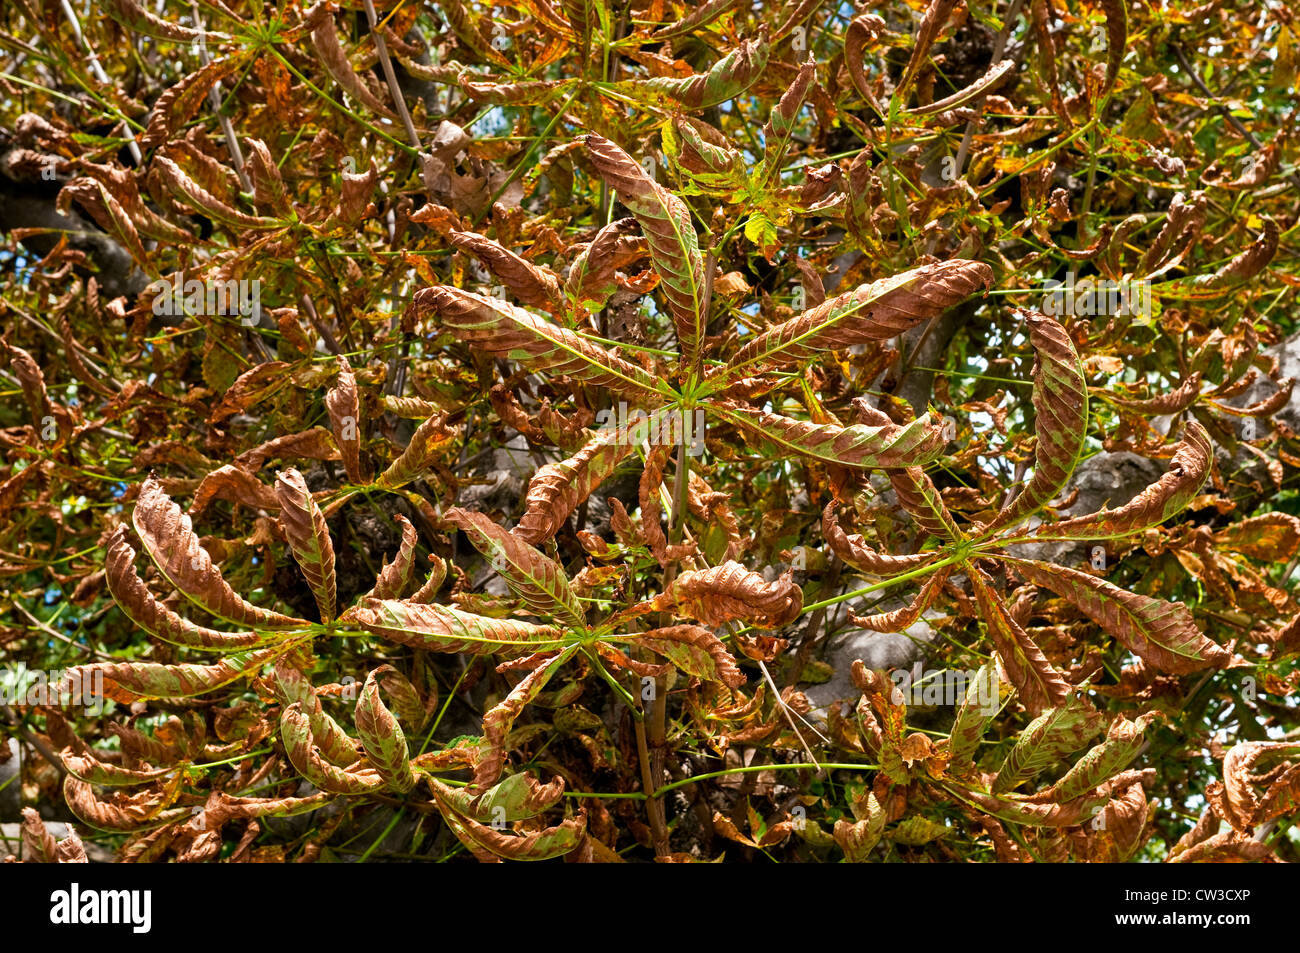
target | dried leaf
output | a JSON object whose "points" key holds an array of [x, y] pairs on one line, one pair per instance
{"points": [[437, 628], [1060, 418], [674, 246], [344, 406], [534, 285], [913, 445], [874, 312], [535, 579], [140, 606], [730, 592], [696, 651], [1039, 684], [504, 330], [1161, 633], [382, 736], [1163, 499], [309, 539], [395, 577]]}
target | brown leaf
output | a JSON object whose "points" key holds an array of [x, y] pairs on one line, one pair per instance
{"points": [[1165, 498], [1161, 633], [174, 547], [730, 592], [534, 285], [178, 104], [309, 538], [236, 485], [343, 403], [557, 489], [1039, 684], [395, 577], [140, 606]]}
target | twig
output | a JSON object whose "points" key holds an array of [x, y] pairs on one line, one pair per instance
{"points": [[386, 62], [98, 70]]}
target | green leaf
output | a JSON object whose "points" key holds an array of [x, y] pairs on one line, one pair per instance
{"points": [[533, 577], [1053, 734]]}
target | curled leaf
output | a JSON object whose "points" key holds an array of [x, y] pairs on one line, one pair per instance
{"points": [[1165, 498], [142, 608], [309, 538], [730, 592], [170, 540], [436, 628]]}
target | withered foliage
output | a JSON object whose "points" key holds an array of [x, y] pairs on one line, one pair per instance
{"points": [[460, 414]]}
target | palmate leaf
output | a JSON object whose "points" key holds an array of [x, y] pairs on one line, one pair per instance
{"points": [[674, 246], [1060, 418], [309, 538], [1163, 634], [1039, 684], [174, 547], [1163, 499], [913, 445], [533, 577], [436, 628], [1056, 732], [142, 608], [504, 330], [873, 312]]}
